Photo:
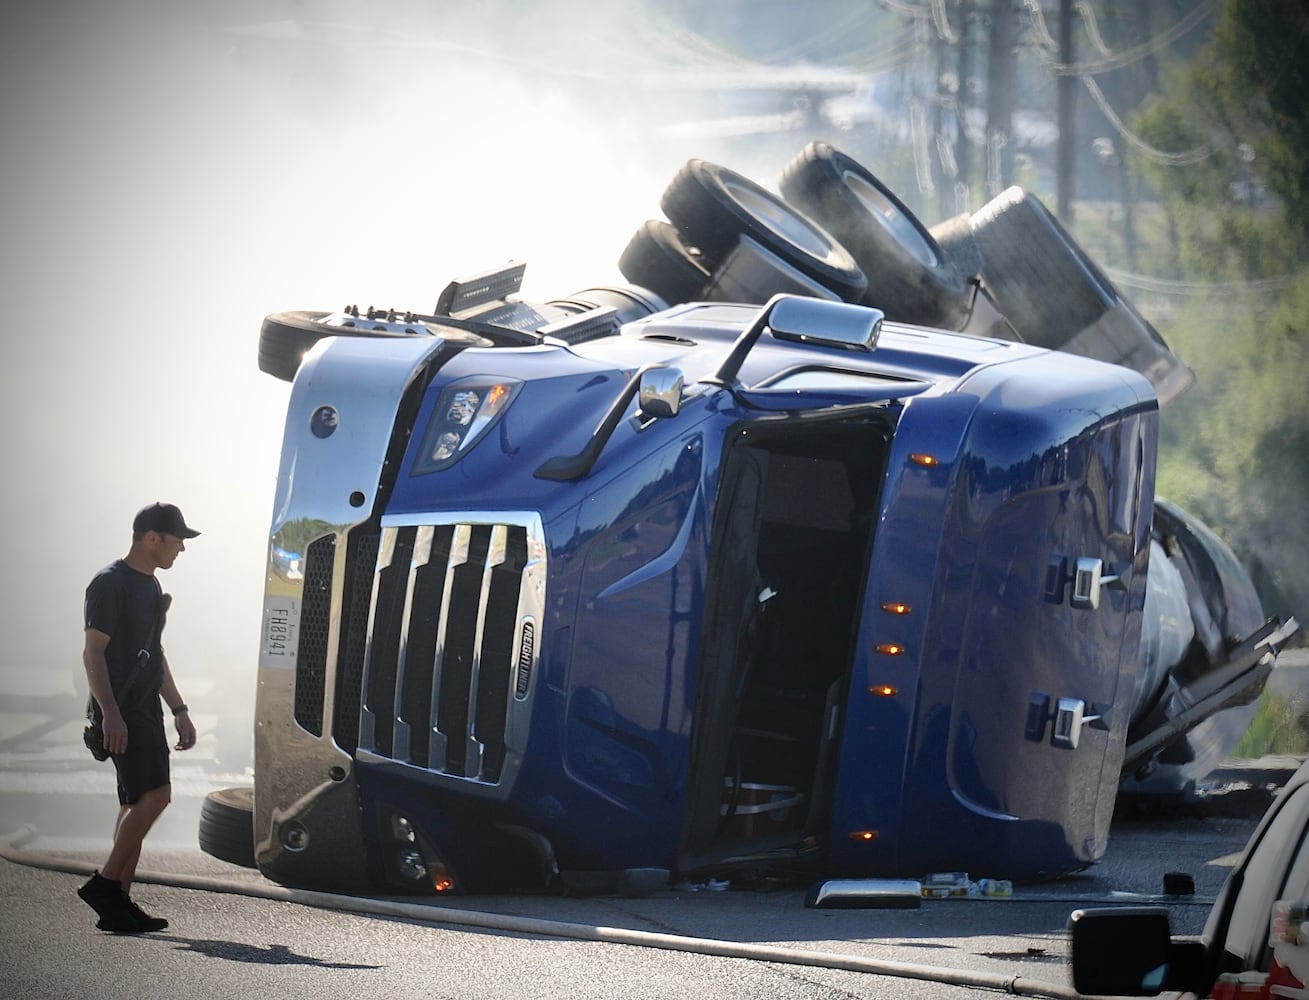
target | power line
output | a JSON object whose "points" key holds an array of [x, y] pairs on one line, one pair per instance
{"points": [[1187, 289], [1183, 159], [942, 23], [1086, 70], [898, 7], [1093, 28], [1043, 37], [1125, 58]]}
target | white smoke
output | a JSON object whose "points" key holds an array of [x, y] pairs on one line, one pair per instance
{"points": [[171, 173]]}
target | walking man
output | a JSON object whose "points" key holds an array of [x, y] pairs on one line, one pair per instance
{"points": [[129, 676]]}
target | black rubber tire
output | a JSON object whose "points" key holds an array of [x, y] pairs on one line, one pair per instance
{"points": [[630, 302], [955, 238], [285, 337], [227, 826], [910, 278], [1122, 336], [656, 258], [1038, 276], [712, 207]]}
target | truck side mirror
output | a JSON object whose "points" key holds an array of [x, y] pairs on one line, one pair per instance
{"points": [[807, 321], [1120, 951], [831, 324], [661, 392]]}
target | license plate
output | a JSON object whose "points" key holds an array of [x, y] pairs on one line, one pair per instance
{"points": [[281, 632]]}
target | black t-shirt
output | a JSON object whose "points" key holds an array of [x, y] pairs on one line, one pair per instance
{"points": [[128, 606]]}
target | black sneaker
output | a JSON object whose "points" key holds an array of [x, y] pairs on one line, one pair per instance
{"points": [[102, 894], [120, 920], [144, 922]]}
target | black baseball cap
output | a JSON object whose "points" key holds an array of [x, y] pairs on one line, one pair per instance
{"points": [[164, 518]]}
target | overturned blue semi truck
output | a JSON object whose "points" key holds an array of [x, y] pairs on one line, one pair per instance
{"points": [[829, 545]]}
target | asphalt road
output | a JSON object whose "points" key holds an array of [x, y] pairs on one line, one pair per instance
{"points": [[234, 933]]}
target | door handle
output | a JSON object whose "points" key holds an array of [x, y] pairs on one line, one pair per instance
{"points": [[1089, 577], [1070, 715]]}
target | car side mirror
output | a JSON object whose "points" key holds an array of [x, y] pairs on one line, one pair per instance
{"points": [[1121, 951]]}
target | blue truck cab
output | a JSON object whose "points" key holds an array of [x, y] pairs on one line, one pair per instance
{"points": [[723, 587]]}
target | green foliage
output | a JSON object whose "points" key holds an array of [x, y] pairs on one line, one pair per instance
{"points": [[1169, 125], [1280, 726], [1241, 103], [1257, 82], [1235, 449]]}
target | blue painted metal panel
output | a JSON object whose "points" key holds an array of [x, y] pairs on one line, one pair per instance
{"points": [[1051, 464]]}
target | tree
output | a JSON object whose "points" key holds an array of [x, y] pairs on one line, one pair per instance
{"points": [[1255, 81], [1235, 449], [1237, 126]]}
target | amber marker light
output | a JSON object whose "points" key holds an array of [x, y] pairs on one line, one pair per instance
{"points": [[923, 459], [863, 836], [884, 690], [888, 649], [896, 608], [440, 876]]}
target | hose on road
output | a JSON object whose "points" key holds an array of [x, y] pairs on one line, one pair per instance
{"points": [[11, 850]]}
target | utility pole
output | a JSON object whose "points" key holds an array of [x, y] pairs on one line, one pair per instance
{"points": [[1065, 166], [964, 74], [999, 97], [941, 181]]}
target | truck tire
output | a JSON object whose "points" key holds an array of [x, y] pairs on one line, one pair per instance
{"points": [[910, 278], [712, 207], [285, 337], [227, 826], [1036, 273], [955, 238], [1122, 336], [629, 302], [656, 258]]}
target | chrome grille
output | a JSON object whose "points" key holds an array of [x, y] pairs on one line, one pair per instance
{"points": [[315, 633], [452, 607], [361, 559]]}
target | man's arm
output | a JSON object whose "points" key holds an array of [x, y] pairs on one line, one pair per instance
{"points": [[173, 699], [97, 676]]}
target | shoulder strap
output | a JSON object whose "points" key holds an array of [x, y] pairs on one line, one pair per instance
{"points": [[161, 610]]}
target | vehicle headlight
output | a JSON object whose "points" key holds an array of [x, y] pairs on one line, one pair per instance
{"points": [[464, 412], [414, 863]]}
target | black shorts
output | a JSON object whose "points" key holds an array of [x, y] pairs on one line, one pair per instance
{"points": [[144, 767]]}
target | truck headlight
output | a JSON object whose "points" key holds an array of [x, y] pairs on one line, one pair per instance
{"points": [[464, 412], [411, 866], [413, 863]]}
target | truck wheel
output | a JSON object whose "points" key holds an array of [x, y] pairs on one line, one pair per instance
{"points": [[1122, 336], [910, 278], [629, 302], [227, 826], [1038, 276], [285, 337], [712, 207], [955, 238], [657, 259]]}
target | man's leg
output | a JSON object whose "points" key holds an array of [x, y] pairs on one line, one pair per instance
{"points": [[134, 822], [144, 792]]}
